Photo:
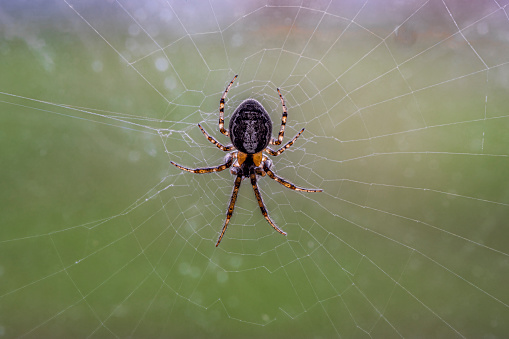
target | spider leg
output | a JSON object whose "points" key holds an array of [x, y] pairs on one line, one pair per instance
{"points": [[236, 186], [283, 122], [287, 145], [260, 203], [285, 182], [228, 163], [221, 108], [215, 142]]}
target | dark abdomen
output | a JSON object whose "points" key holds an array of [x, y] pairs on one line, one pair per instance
{"points": [[250, 127]]}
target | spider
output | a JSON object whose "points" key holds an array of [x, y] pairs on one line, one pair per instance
{"points": [[250, 132]]}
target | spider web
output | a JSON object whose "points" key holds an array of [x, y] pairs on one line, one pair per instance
{"points": [[405, 109]]}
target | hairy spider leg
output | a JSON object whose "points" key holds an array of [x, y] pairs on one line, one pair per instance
{"points": [[229, 214], [219, 168], [221, 107], [283, 122], [261, 204], [287, 145], [285, 182], [215, 142]]}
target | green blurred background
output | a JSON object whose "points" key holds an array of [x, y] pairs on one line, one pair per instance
{"points": [[406, 113]]}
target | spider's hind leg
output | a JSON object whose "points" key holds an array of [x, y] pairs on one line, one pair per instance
{"points": [[286, 146], [221, 108], [279, 139], [215, 142]]}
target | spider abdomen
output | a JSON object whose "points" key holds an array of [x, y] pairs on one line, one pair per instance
{"points": [[250, 127]]}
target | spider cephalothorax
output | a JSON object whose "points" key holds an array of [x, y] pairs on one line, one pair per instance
{"points": [[250, 131]]}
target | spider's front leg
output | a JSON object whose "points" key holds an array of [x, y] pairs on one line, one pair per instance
{"points": [[231, 206], [228, 161], [267, 164], [261, 204]]}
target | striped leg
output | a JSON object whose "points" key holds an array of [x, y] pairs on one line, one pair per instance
{"points": [[286, 183], [229, 214], [283, 122], [260, 203], [221, 108], [287, 145], [215, 142], [227, 164]]}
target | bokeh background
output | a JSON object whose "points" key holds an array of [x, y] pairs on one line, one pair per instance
{"points": [[405, 107]]}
